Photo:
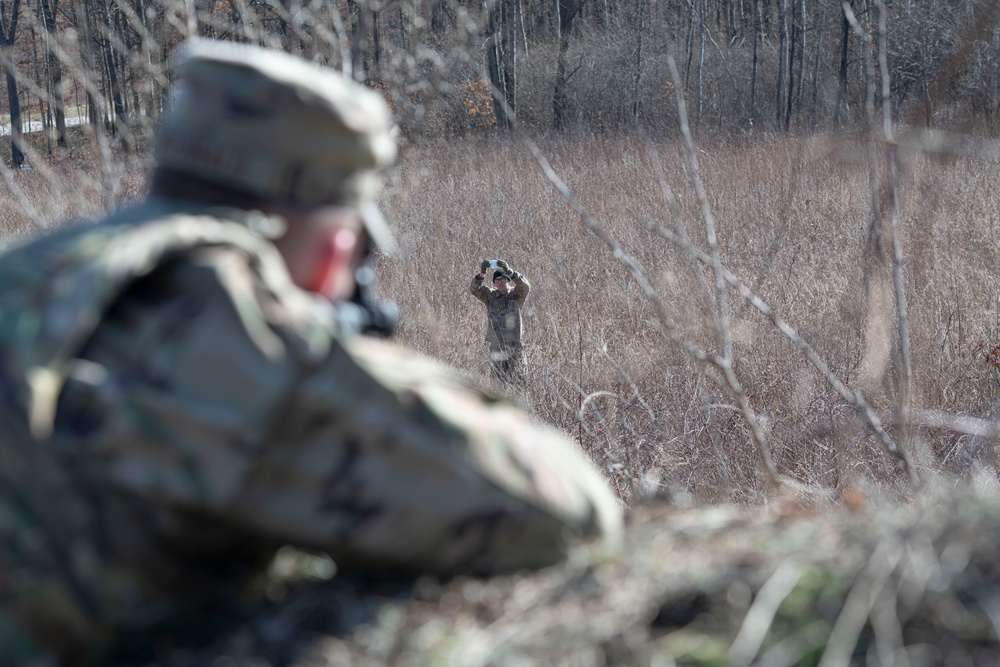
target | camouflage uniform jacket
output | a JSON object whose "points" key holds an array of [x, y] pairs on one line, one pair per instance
{"points": [[173, 409], [503, 311]]}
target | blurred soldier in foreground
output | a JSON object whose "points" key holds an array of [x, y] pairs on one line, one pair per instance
{"points": [[503, 318], [182, 395]]}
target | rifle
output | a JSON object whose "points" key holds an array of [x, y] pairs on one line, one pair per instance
{"points": [[364, 313]]}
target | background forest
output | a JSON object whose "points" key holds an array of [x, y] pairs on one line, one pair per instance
{"points": [[761, 233], [588, 65]]}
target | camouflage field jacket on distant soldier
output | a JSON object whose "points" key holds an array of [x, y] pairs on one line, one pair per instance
{"points": [[503, 311]]}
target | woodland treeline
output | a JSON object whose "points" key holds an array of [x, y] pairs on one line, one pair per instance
{"points": [[593, 65]]}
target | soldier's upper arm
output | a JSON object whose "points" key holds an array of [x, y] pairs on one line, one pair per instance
{"points": [[522, 288], [390, 459], [194, 366], [479, 290]]}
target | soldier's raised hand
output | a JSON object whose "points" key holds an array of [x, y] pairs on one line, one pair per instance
{"points": [[485, 266], [503, 265]]}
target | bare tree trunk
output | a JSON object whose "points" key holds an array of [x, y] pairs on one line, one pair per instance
{"points": [[39, 85], [568, 10], [510, 42], [120, 125], [148, 100], [701, 55], [356, 20], [800, 71], [692, 19], [16, 130], [119, 34], [499, 66], [9, 14], [782, 52], [753, 68], [637, 77], [81, 9], [559, 86], [373, 8], [819, 53], [793, 52], [53, 66], [840, 110], [730, 21]]}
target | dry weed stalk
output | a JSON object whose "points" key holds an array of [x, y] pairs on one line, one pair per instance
{"points": [[853, 398], [861, 600], [760, 616], [876, 254], [721, 363]]}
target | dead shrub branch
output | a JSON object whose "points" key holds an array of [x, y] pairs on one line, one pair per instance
{"points": [[719, 362]]}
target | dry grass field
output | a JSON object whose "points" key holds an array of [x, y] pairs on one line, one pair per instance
{"points": [[844, 563], [614, 332], [792, 219]]}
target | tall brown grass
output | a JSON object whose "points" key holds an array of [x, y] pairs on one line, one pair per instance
{"points": [[792, 218]]}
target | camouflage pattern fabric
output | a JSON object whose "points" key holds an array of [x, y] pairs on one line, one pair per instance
{"points": [[503, 311], [503, 326], [287, 131], [174, 410]]}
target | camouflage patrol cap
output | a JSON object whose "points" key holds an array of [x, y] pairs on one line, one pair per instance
{"points": [[279, 129]]}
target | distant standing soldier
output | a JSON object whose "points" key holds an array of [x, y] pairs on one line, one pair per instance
{"points": [[504, 301], [183, 391]]}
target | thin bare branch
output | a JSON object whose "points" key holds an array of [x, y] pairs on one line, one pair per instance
{"points": [[718, 362], [853, 398]]}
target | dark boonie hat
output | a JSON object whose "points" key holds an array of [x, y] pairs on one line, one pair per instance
{"points": [[280, 129], [500, 274]]}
